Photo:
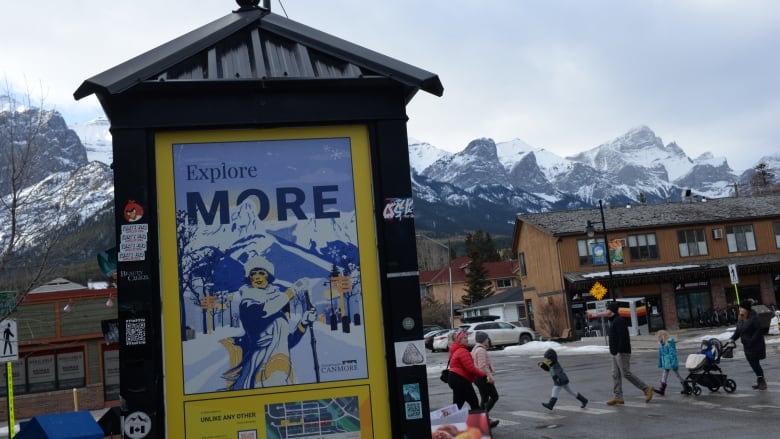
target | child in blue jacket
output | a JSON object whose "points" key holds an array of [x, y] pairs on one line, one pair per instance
{"points": [[560, 380], [667, 360]]}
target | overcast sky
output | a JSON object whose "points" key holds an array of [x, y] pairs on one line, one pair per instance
{"points": [[561, 75]]}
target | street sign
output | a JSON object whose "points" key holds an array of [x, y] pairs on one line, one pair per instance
{"points": [[598, 291], [733, 274], [10, 350], [601, 307]]}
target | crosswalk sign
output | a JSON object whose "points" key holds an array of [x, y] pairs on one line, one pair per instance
{"points": [[10, 340]]}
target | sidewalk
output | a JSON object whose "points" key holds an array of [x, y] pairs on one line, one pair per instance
{"points": [[684, 337]]}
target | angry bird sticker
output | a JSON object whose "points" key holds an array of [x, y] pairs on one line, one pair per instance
{"points": [[133, 211]]}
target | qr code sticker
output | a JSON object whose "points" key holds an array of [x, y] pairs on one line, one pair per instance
{"points": [[414, 410], [135, 332]]}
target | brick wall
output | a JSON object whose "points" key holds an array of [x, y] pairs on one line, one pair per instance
{"points": [[32, 404]]}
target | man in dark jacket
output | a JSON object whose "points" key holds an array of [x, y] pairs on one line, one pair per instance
{"points": [[752, 336], [620, 348]]}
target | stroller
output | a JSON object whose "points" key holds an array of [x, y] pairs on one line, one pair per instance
{"points": [[704, 370]]}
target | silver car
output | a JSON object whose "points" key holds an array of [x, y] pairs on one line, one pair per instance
{"points": [[500, 333]]}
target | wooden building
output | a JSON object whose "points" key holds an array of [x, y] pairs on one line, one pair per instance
{"points": [[65, 360], [436, 283], [675, 255]]}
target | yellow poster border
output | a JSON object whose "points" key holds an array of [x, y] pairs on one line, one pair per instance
{"points": [[377, 382]]}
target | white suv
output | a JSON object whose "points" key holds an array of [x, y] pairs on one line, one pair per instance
{"points": [[500, 333]]}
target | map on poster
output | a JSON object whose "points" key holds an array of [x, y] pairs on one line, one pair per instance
{"points": [[336, 418]]}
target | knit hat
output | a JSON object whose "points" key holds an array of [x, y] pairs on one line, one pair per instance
{"points": [[613, 306], [551, 355], [460, 336], [745, 304], [480, 336]]}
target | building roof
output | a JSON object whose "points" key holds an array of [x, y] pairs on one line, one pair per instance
{"points": [[626, 218], [694, 270], [253, 44], [495, 270], [57, 285], [512, 295]]}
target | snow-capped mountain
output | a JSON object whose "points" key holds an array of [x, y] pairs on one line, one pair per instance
{"points": [[58, 195], [482, 187], [96, 138]]}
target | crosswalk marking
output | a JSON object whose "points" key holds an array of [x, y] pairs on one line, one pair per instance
{"points": [[536, 415], [590, 410]]}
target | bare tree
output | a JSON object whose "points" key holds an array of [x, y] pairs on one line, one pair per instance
{"points": [[29, 230], [549, 317]]}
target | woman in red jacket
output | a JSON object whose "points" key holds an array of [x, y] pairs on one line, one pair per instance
{"points": [[463, 372]]}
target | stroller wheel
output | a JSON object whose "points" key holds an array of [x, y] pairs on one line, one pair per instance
{"points": [[713, 388], [696, 390], [730, 386]]}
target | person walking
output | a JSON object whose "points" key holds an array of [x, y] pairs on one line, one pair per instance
{"points": [[487, 387], [620, 348], [752, 337], [463, 372], [668, 361], [560, 380]]}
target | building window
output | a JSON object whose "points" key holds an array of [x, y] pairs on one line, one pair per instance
{"points": [[584, 250], [503, 283], [523, 268], [777, 234], [642, 247], [740, 238], [692, 242]]}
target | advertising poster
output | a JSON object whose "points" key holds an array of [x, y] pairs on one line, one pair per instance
{"points": [[271, 278]]}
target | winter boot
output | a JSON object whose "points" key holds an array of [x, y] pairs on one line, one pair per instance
{"points": [[687, 390], [760, 384], [615, 400], [583, 400], [661, 389], [549, 405]]}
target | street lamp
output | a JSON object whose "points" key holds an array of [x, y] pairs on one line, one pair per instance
{"points": [[449, 272], [591, 231]]}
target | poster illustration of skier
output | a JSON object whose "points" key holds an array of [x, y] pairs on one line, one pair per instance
{"points": [[269, 275]]}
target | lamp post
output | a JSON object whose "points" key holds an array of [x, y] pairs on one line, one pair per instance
{"points": [[449, 273], [591, 231]]}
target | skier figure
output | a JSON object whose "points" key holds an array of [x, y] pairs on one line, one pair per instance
{"points": [[261, 356]]}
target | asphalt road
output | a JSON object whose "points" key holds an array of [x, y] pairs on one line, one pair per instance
{"points": [[523, 386]]}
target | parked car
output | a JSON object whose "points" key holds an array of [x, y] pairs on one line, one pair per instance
{"points": [[500, 333], [428, 338], [429, 328], [441, 342]]}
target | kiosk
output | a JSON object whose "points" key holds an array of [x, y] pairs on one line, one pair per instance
{"points": [[267, 274]]}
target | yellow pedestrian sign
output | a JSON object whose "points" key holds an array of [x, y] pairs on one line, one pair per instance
{"points": [[598, 291]]}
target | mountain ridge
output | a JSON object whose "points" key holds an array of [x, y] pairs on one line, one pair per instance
{"points": [[482, 187]]}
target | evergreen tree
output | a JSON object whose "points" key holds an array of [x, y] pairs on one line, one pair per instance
{"points": [[478, 286], [481, 244]]}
